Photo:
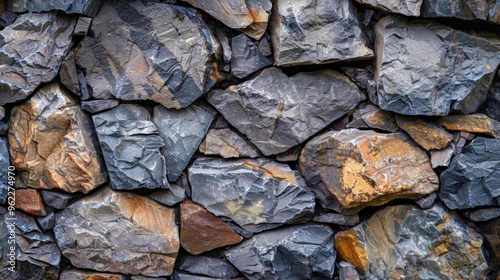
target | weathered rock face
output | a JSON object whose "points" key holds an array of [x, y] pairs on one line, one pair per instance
{"points": [[30, 201], [118, 232], [406, 7], [77, 274], [474, 123], [438, 69], [472, 178], [95, 106], [462, 9], [363, 168], [86, 7], [214, 265], [173, 195], [56, 200], [402, 241], [428, 135], [227, 144], [53, 143], [491, 231], [277, 112], [31, 51], [153, 62], [4, 165], [297, 252], [246, 57], [370, 116], [256, 194]]}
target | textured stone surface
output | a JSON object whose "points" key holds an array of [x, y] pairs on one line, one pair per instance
{"points": [[426, 202], [296, 252], [68, 74], [30, 201], [491, 233], [47, 222], [363, 168], [170, 197], [227, 144], [86, 7], [370, 116], [442, 157], [472, 178], [277, 112], [246, 57], [256, 194], [118, 232], [166, 53], [337, 219], [462, 9], [78, 274], [315, 32], [428, 135], [182, 132], [82, 26], [405, 241], [213, 265], [404, 7], [96, 106], [31, 51], [54, 143], [426, 68], [347, 271], [4, 166], [483, 215], [474, 123], [56, 200]]}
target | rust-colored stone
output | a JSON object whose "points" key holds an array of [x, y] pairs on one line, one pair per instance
{"points": [[73, 274], [350, 249], [474, 123], [428, 135], [30, 201]]}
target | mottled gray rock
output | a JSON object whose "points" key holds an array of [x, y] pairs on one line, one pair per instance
{"points": [[68, 74], [2, 112], [265, 47], [426, 68], [462, 9], [257, 194], [337, 219], [315, 32], [277, 112], [370, 116], [131, 146], [96, 106], [147, 278], [4, 128], [246, 57], [56, 200], [426, 202], [211, 265], [78, 274], [166, 53], [31, 51], [290, 155], [182, 132], [472, 178], [442, 157], [9, 16], [347, 271], [359, 76], [48, 222], [179, 275], [483, 215], [4, 167], [404, 7], [86, 7], [82, 26], [227, 144], [492, 103], [170, 197], [296, 252]]}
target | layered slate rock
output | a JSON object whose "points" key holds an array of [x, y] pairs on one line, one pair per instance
{"points": [[428, 135], [256, 194], [474, 123], [226, 143], [118, 232], [363, 168], [54, 144], [31, 51], [402, 241], [182, 132], [74, 274], [472, 178], [296, 252], [166, 53], [277, 112], [212, 265], [246, 57], [131, 144], [86, 7], [316, 32], [426, 68], [405, 7], [462, 9], [4, 165]]}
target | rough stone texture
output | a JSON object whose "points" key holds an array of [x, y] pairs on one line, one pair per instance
{"points": [[131, 144], [370, 116], [78, 274], [475, 123], [30, 201], [256, 194], [490, 106], [491, 233], [4, 166], [359, 76], [96, 106], [347, 271], [365, 168], [472, 178], [227, 144], [54, 143], [170, 197], [82, 26], [404, 7], [31, 51], [166, 53], [296, 252], [213, 265], [462, 9], [56, 200], [405, 241], [426, 68], [118, 232], [337, 219], [277, 112], [290, 155], [182, 132], [428, 135], [246, 57], [426, 202], [68, 74], [47, 222], [483, 215], [442, 157], [202, 231], [86, 7], [314, 32]]}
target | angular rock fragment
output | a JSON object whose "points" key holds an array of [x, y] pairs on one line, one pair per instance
{"points": [[462, 9], [483, 215], [82, 26], [30, 201], [474, 123], [86, 7], [491, 233], [442, 157], [211, 265], [246, 57], [359, 76], [54, 144], [96, 106], [56, 200], [404, 240], [119, 232], [428, 135], [365, 168], [405, 7], [68, 74], [170, 197], [277, 112], [227, 144], [426, 202], [347, 271], [4, 166], [337, 219], [296, 252], [370, 116], [290, 155], [47, 222], [257, 194], [78, 274], [166, 54]]}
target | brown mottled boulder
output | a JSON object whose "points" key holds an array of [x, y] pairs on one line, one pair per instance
{"points": [[30, 201], [474, 123], [428, 135], [77, 274]]}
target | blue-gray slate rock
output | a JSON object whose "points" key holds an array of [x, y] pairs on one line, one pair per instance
{"points": [[96, 106], [483, 215], [48, 222], [86, 7], [246, 58], [277, 112], [169, 197], [56, 200], [490, 107], [226, 143], [462, 9], [257, 194], [347, 271], [179, 275], [210, 264], [473, 177], [295, 252], [427, 68], [405, 7], [4, 167]]}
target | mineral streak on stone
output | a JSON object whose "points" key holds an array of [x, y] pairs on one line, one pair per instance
{"points": [[277, 112], [405, 241], [404, 7], [78, 274], [474, 123], [426, 68], [212, 265], [296, 252], [166, 53], [315, 32], [86, 7], [4, 166], [118, 232], [366, 168], [31, 51], [30, 201], [428, 135], [54, 144], [246, 57], [257, 194], [227, 144], [472, 179]]}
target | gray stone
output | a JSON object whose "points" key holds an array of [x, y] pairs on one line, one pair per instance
{"points": [[4, 128], [426, 202], [442, 157], [86, 7], [147, 278], [404, 7], [179, 275], [2, 112], [290, 155], [472, 178], [48, 222], [82, 26], [31, 51], [256, 194], [337, 219], [166, 54], [96, 106], [77, 274], [462, 9], [483, 215], [182, 132], [426, 68], [347, 271], [9, 17], [211, 265], [224, 42], [4, 167], [296, 252], [56, 200], [246, 57], [170, 197], [277, 112], [315, 32], [359, 76], [84, 91], [227, 144], [265, 47], [492, 103], [131, 146], [370, 116], [68, 74]]}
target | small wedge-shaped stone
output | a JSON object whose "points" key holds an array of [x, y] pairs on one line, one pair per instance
{"points": [[86, 7], [475, 123], [4, 165], [246, 58], [404, 7], [226, 143], [77, 274], [428, 135], [30, 201], [370, 116]]}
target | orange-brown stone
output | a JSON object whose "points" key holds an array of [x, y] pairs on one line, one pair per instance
{"points": [[474, 123], [73, 274], [428, 135], [30, 201], [351, 250]]}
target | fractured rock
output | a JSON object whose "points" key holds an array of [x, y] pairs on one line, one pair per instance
{"points": [[337, 219], [370, 116], [404, 7], [82, 26], [68, 74], [426, 202], [227, 144], [491, 233], [30, 201], [474, 123], [56, 200], [347, 271], [429, 136], [96, 106], [211, 265], [483, 215], [462, 9], [4, 166], [47, 222], [77, 274], [246, 57], [442, 157], [173, 195], [86, 7]]}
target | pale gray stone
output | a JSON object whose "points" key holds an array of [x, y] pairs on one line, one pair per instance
{"points": [[347, 271], [246, 58], [227, 144]]}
